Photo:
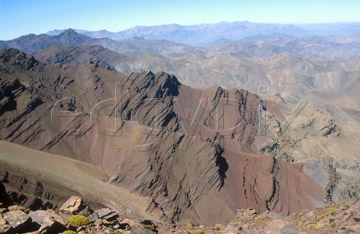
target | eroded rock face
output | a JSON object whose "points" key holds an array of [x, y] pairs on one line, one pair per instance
{"points": [[190, 150]]}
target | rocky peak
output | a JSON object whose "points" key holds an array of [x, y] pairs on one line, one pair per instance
{"points": [[69, 32], [13, 57]]}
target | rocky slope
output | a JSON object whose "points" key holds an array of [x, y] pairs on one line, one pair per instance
{"points": [[76, 216], [191, 151], [305, 129]]}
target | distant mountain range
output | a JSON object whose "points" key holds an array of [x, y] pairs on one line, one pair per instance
{"points": [[218, 33], [31, 43], [288, 65], [331, 48], [284, 73]]}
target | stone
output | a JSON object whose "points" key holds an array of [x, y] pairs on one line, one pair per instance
{"points": [[128, 221], [41, 217], [93, 217], [18, 220], [144, 231], [58, 218], [16, 208], [104, 212], [73, 205], [356, 218], [111, 217], [85, 212], [289, 229], [44, 221]]}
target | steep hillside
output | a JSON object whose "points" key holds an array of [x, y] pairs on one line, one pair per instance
{"points": [[193, 152]]}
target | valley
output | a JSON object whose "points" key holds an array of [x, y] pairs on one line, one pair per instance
{"points": [[159, 123]]}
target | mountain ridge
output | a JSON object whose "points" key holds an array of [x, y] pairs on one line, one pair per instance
{"points": [[180, 181], [198, 35]]}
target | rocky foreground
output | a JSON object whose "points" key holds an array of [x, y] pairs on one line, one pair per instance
{"points": [[75, 216]]}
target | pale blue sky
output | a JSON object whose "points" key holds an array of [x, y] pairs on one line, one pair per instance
{"points": [[20, 17]]}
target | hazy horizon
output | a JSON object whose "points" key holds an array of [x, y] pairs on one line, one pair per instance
{"points": [[25, 17]]}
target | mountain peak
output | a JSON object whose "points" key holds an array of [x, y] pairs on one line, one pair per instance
{"points": [[69, 31]]}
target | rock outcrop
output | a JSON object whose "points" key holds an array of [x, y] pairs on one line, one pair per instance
{"points": [[337, 218]]}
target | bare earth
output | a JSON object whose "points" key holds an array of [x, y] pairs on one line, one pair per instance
{"points": [[82, 177]]}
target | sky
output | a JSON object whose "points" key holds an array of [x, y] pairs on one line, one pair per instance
{"points": [[21, 17]]}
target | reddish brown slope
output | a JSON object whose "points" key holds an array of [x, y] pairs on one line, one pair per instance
{"points": [[201, 165]]}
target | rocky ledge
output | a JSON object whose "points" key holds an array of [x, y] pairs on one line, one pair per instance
{"points": [[75, 216]]}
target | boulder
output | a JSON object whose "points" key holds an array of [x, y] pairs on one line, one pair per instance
{"points": [[45, 222], [73, 205], [57, 218], [104, 212], [18, 220], [41, 217]]}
